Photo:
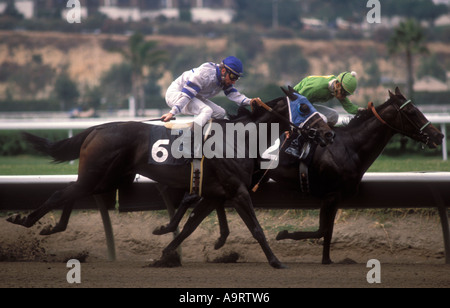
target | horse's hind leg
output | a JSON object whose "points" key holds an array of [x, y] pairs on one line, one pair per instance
{"points": [[64, 196], [63, 221], [169, 257], [175, 220], [326, 224], [223, 224]]}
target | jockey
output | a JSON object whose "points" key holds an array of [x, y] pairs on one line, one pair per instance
{"points": [[324, 88], [190, 93]]}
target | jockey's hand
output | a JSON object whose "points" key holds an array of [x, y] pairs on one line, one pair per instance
{"points": [[166, 117], [255, 102]]}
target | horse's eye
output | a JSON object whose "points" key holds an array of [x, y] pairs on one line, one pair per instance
{"points": [[304, 108]]}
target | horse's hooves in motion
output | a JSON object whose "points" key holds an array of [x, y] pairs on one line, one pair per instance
{"points": [[49, 229], [282, 235], [161, 230], [277, 264], [219, 243], [171, 259], [18, 220]]}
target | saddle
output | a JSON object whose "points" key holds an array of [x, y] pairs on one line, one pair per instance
{"points": [[171, 144]]}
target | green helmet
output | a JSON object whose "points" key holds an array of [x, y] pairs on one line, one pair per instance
{"points": [[348, 81]]}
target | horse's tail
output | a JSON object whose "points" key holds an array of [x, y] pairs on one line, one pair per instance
{"points": [[61, 151]]}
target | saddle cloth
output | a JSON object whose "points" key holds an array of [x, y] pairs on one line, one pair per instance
{"points": [[161, 146]]}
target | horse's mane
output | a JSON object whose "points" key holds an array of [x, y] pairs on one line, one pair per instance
{"points": [[361, 117]]}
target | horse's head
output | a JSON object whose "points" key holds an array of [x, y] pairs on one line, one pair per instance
{"points": [[402, 116], [312, 124]]}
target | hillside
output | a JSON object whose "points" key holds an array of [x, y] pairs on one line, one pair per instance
{"points": [[86, 58]]}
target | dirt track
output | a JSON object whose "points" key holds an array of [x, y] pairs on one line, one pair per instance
{"points": [[410, 250]]}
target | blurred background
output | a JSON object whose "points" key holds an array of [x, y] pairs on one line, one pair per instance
{"points": [[123, 54]]}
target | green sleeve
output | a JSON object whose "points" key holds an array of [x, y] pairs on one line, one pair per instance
{"points": [[315, 89], [349, 106]]}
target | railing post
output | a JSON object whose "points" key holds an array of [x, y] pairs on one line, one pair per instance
{"points": [[103, 207], [444, 142]]}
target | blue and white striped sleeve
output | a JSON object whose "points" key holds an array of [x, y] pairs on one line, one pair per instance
{"points": [[233, 94]]}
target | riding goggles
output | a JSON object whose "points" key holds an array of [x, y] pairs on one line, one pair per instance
{"points": [[233, 76]]}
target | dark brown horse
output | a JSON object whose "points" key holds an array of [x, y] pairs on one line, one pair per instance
{"points": [[337, 170], [112, 154]]}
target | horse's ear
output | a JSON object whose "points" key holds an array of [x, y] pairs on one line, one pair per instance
{"points": [[290, 93], [391, 95], [398, 93], [284, 91]]}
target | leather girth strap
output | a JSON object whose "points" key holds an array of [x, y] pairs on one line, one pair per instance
{"points": [[196, 176]]}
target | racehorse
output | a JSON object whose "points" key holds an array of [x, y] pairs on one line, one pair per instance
{"points": [[112, 154], [336, 170]]}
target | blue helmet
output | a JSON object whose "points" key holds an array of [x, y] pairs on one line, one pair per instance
{"points": [[234, 65]]}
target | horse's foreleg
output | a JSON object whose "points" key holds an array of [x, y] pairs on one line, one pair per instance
{"points": [[328, 233], [223, 224], [62, 224], [169, 257], [244, 207]]}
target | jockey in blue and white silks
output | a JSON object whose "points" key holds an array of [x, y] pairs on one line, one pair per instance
{"points": [[190, 93]]}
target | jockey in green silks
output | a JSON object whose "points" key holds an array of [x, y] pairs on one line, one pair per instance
{"points": [[324, 88]]}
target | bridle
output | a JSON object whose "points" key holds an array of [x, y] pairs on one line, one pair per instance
{"points": [[402, 115], [307, 131]]}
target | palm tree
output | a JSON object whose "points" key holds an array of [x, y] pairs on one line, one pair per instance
{"points": [[142, 54], [408, 38]]}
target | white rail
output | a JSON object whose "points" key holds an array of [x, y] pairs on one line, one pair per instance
{"points": [[71, 124]]}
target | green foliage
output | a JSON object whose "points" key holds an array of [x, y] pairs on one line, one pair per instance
{"points": [[66, 91], [116, 85], [28, 105], [288, 60], [409, 37], [11, 142], [34, 165], [430, 66]]}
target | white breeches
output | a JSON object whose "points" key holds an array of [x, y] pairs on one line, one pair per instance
{"points": [[203, 108]]}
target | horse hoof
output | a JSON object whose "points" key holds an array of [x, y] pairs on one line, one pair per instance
{"points": [[47, 230], [52, 230], [161, 230], [278, 265], [17, 220], [219, 243], [168, 260], [282, 235], [327, 261]]}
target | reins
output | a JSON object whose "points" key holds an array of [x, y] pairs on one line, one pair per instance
{"points": [[376, 114]]}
